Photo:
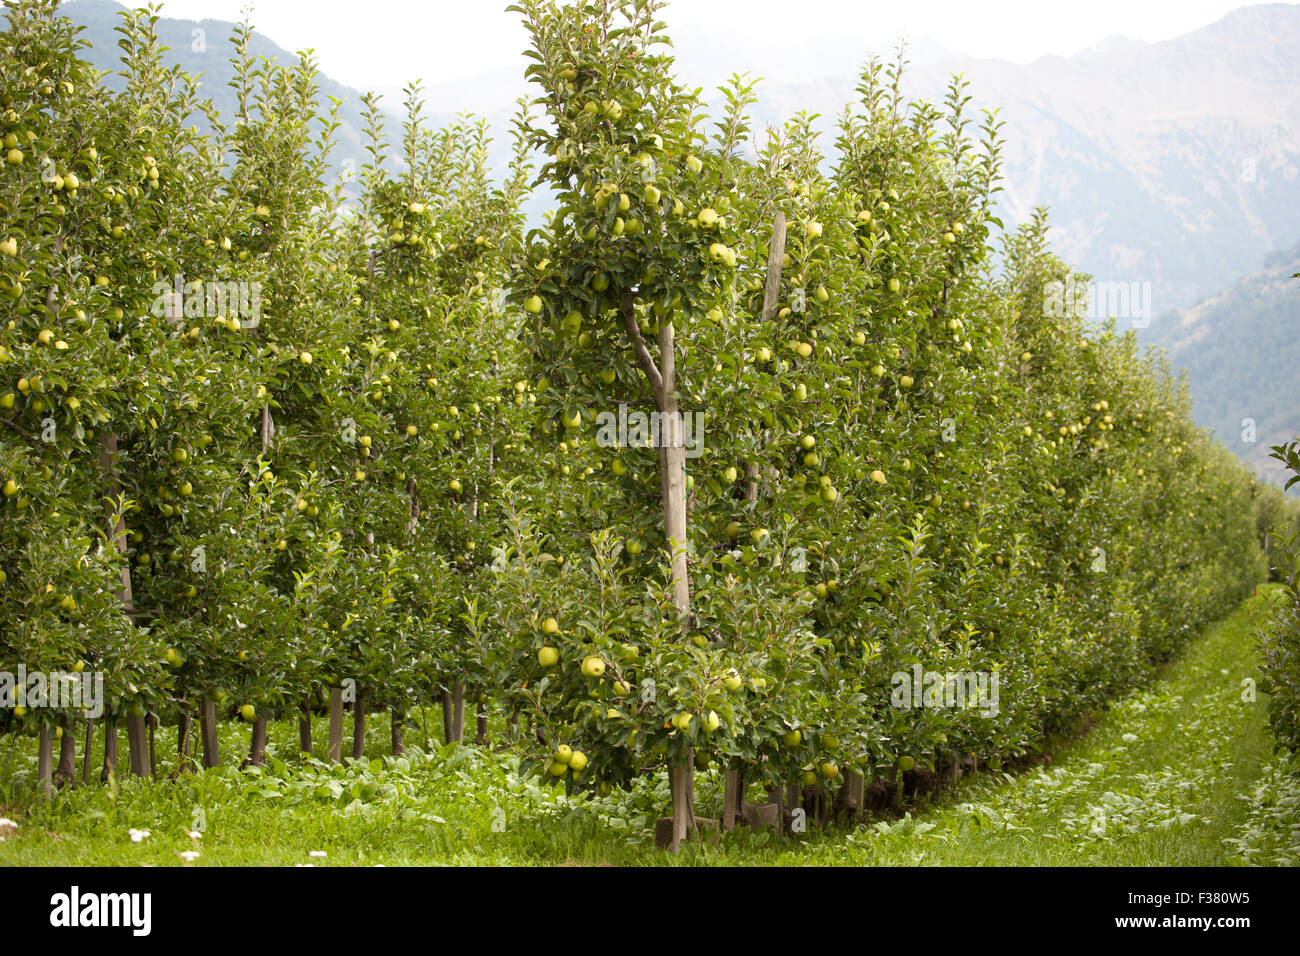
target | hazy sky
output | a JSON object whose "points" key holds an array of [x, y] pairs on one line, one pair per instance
{"points": [[378, 43]]}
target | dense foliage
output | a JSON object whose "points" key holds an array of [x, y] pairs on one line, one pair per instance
{"points": [[397, 483]]}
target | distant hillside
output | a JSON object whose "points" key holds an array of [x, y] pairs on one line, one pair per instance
{"points": [[1174, 163], [203, 47], [1241, 352]]}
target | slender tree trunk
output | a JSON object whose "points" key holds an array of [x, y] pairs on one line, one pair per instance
{"points": [[852, 794], [453, 713], [151, 723], [208, 734], [66, 773], [359, 727], [681, 785], [304, 728], [481, 720], [398, 717], [184, 725], [257, 746], [733, 797], [110, 749], [85, 757], [137, 745], [335, 751], [45, 762]]}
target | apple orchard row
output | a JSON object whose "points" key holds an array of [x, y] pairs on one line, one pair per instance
{"points": [[388, 491]]}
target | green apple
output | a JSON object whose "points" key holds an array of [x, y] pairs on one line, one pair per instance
{"points": [[830, 770], [906, 763], [533, 304], [730, 475], [792, 738], [593, 666], [548, 656], [550, 626], [578, 762], [894, 285], [248, 712]]}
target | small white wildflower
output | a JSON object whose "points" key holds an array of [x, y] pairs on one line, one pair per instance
{"points": [[304, 864], [139, 836], [1129, 738], [317, 853], [189, 856], [196, 835]]}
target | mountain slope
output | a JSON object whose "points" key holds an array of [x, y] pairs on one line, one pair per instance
{"points": [[1174, 163], [1241, 352], [202, 47]]}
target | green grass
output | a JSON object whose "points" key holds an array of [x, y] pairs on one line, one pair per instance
{"points": [[1181, 773]]}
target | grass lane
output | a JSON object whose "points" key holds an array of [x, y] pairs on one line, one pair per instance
{"points": [[1180, 773]]}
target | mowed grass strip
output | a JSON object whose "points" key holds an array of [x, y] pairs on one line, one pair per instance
{"points": [[1162, 779]]}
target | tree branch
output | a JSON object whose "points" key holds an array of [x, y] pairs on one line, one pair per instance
{"points": [[643, 355]]}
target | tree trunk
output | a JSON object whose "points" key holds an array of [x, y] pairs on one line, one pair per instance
{"points": [[151, 723], [453, 713], [85, 757], [359, 727], [399, 740], [681, 784], [852, 794], [335, 752], [110, 749], [208, 734], [184, 725], [45, 762], [137, 744], [304, 728], [257, 746], [481, 721], [733, 797], [66, 773]]}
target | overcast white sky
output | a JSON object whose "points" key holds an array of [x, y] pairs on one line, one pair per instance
{"points": [[385, 43]]}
